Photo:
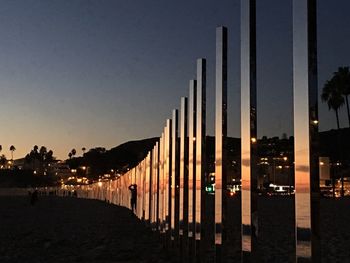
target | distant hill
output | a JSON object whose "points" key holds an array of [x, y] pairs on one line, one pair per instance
{"points": [[127, 155], [334, 144]]}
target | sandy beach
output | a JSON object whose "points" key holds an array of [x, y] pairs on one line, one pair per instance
{"points": [[73, 230], [68, 229]]}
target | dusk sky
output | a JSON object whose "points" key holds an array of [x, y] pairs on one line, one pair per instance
{"points": [[81, 73]]}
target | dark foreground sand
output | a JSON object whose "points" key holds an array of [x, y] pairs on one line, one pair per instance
{"points": [[80, 230], [73, 230]]}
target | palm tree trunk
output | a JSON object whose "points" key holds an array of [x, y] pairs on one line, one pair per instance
{"points": [[347, 107], [337, 115]]}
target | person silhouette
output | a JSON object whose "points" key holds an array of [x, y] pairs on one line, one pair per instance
{"points": [[133, 200], [34, 197]]}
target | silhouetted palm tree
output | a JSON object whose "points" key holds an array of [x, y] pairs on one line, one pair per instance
{"points": [[70, 155], [12, 149], [83, 149], [332, 94], [3, 160], [74, 152], [35, 148], [42, 152], [343, 76]]}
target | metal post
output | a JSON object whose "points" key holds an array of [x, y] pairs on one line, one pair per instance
{"points": [[183, 193], [249, 131], [174, 179], [192, 124], [220, 139], [200, 152], [307, 195]]}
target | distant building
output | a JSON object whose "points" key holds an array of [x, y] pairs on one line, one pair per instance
{"points": [[60, 169]]}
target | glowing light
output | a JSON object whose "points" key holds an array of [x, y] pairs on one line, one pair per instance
{"points": [[253, 140]]}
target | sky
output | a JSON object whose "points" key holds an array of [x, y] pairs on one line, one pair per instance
{"points": [[81, 73]]}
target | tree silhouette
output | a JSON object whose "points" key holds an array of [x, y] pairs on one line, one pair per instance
{"points": [[0, 148], [70, 155], [3, 160], [36, 148], [49, 156], [42, 153], [83, 150], [343, 80], [74, 152], [332, 94], [12, 149]]}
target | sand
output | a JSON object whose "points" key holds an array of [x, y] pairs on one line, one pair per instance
{"points": [[73, 230], [68, 229]]}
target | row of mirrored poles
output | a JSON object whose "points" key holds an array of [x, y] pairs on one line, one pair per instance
{"points": [[173, 178]]}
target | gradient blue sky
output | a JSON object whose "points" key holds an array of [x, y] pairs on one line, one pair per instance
{"points": [[81, 73]]}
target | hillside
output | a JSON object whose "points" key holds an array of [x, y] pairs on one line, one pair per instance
{"points": [[127, 155]]}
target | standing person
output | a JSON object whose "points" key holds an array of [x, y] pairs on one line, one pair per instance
{"points": [[133, 200], [34, 197]]}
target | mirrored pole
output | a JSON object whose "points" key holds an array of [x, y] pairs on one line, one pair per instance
{"points": [[307, 194], [183, 190], [150, 207], [148, 174], [157, 184], [161, 183], [141, 179], [249, 131], [154, 186], [192, 123], [220, 139], [130, 181], [200, 155], [175, 178], [139, 183], [165, 181], [168, 177], [134, 181], [151, 202], [140, 189]]}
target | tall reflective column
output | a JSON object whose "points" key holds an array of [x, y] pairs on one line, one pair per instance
{"points": [[192, 164], [150, 182], [168, 166], [306, 131], [156, 185], [183, 184], [161, 183], [151, 201], [147, 197], [249, 131], [140, 189], [220, 140], [200, 155], [174, 178]]}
